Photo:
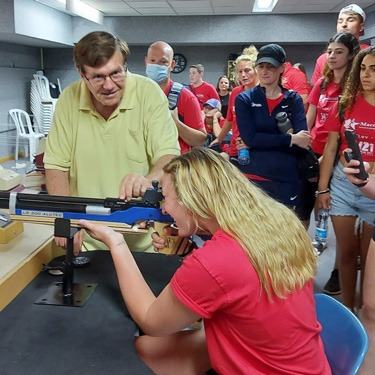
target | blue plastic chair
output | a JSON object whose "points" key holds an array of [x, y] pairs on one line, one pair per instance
{"points": [[344, 337]]}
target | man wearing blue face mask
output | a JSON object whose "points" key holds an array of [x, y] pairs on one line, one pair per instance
{"points": [[187, 115]]}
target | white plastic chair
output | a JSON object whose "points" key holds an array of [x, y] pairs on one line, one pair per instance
{"points": [[25, 131], [41, 103]]}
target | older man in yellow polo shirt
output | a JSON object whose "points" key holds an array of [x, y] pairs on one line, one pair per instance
{"points": [[112, 131]]}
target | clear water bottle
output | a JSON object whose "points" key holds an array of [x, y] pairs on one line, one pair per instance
{"points": [[284, 124], [321, 231], [244, 156]]}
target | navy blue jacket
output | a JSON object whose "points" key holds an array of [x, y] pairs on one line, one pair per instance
{"points": [[270, 154]]}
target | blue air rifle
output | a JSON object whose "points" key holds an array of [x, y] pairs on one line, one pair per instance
{"points": [[125, 216], [122, 215]]}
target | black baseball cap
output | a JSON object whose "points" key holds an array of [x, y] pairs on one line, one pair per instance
{"points": [[271, 53]]}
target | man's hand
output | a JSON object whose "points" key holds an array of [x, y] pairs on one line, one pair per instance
{"points": [[133, 186]]}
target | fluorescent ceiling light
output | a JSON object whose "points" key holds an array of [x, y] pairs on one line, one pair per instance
{"points": [[264, 5], [75, 8], [83, 10]]}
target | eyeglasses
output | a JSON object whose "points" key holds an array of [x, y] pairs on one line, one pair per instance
{"points": [[99, 79]]}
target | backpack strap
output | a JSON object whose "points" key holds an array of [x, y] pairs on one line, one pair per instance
{"points": [[174, 94]]}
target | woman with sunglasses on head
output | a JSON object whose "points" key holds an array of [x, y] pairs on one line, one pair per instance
{"points": [[253, 290]]}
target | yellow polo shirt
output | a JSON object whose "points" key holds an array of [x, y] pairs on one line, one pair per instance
{"points": [[98, 153]]}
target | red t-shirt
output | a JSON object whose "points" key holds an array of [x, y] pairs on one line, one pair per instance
{"points": [[247, 334], [231, 116], [324, 101], [294, 79], [188, 108], [319, 65], [204, 92], [361, 118]]}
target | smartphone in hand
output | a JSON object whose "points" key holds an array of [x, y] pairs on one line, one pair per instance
{"points": [[351, 139]]}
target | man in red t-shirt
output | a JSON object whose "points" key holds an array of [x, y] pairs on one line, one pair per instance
{"points": [[187, 115], [351, 19], [295, 79], [201, 89]]}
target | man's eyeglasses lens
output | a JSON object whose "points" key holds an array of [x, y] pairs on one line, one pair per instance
{"points": [[99, 79]]}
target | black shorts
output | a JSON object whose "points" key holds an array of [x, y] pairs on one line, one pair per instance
{"points": [[286, 193], [307, 200]]}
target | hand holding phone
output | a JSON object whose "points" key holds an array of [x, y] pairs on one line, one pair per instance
{"points": [[351, 139]]}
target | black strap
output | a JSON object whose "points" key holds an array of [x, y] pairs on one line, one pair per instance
{"points": [[174, 94]]}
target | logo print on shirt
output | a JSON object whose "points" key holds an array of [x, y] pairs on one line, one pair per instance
{"points": [[256, 104], [350, 124]]}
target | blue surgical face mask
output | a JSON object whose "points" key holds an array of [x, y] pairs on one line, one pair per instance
{"points": [[157, 73]]}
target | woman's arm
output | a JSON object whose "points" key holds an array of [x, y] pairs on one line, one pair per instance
{"points": [[326, 166], [223, 132], [156, 316], [311, 116]]}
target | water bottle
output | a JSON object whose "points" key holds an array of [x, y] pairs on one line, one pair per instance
{"points": [[321, 231], [284, 124], [244, 156]]}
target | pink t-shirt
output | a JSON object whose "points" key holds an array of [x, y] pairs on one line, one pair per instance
{"points": [[231, 116], [361, 118], [245, 332], [324, 101]]}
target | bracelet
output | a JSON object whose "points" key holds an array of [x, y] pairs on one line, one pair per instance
{"points": [[319, 192], [361, 184]]}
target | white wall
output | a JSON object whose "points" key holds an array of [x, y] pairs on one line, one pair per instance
{"points": [[39, 21]]}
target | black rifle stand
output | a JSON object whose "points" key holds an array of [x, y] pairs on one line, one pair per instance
{"points": [[67, 293]]}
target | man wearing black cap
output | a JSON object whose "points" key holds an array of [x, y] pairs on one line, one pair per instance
{"points": [[351, 19], [274, 155]]}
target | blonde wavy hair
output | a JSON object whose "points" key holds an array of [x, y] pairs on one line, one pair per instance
{"points": [[271, 235], [249, 54]]}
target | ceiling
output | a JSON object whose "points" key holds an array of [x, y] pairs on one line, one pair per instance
{"points": [[209, 7]]}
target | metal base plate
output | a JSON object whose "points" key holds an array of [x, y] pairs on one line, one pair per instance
{"points": [[54, 295]]}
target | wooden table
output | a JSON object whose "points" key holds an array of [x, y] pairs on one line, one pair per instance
{"points": [[21, 259]]}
